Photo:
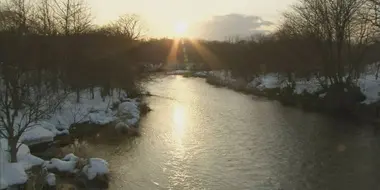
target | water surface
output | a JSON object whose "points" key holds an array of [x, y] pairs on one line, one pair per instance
{"points": [[202, 137]]}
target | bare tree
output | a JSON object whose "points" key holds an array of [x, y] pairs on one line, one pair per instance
{"points": [[23, 104], [17, 13], [45, 18], [338, 28], [373, 6], [129, 26], [73, 16], [6, 20]]}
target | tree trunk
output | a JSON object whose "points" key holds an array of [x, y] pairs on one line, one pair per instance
{"points": [[12, 144], [92, 93], [78, 95]]}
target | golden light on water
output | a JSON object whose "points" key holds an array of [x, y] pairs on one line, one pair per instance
{"points": [[178, 120]]}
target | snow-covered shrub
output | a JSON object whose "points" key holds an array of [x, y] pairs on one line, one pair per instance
{"points": [[95, 167]]}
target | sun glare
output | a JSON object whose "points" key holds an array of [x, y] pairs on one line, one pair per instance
{"points": [[181, 29]]}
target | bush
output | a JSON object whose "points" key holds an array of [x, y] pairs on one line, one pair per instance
{"points": [[36, 178], [342, 98], [78, 148], [144, 108]]}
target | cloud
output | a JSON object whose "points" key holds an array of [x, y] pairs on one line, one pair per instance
{"points": [[220, 27]]}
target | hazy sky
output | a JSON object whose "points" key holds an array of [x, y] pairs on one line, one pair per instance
{"points": [[212, 19]]}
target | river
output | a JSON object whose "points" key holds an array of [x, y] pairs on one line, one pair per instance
{"points": [[202, 137]]}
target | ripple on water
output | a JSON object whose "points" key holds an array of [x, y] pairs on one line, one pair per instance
{"points": [[202, 137]]}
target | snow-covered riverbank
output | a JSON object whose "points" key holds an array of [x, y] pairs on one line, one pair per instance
{"points": [[94, 110], [360, 99], [117, 108], [368, 83]]}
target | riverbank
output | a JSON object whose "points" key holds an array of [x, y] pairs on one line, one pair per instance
{"points": [[206, 137], [116, 114], [359, 102]]}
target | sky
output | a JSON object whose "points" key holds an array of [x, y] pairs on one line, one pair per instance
{"points": [[209, 19]]}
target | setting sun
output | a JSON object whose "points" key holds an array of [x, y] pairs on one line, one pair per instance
{"points": [[181, 28]]}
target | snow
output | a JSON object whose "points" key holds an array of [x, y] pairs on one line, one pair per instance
{"points": [[225, 77], [102, 117], [195, 74], [36, 135], [269, 81], [93, 110], [70, 157], [15, 174], [254, 83], [24, 157], [50, 179], [322, 95], [177, 72], [368, 83], [67, 164], [28, 161], [128, 108], [310, 86], [87, 110], [61, 165], [370, 87], [152, 67], [133, 121], [130, 111], [200, 74], [52, 128], [96, 111], [95, 167], [273, 80], [3, 183]]}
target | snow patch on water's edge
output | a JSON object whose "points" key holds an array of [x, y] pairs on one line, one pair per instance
{"points": [[368, 82], [94, 110]]}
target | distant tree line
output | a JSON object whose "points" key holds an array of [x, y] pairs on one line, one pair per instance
{"points": [[58, 36], [332, 40]]}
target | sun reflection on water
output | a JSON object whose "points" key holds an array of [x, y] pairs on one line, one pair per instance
{"points": [[178, 121]]}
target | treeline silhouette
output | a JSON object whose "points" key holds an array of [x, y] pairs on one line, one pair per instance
{"points": [[57, 40], [330, 40]]}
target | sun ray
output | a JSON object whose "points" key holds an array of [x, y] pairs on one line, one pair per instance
{"points": [[172, 57], [209, 58]]}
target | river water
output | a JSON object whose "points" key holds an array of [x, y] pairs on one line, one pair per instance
{"points": [[202, 137]]}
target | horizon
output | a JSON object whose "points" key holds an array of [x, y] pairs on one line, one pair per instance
{"points": [[244, 94], [213, 20]]}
